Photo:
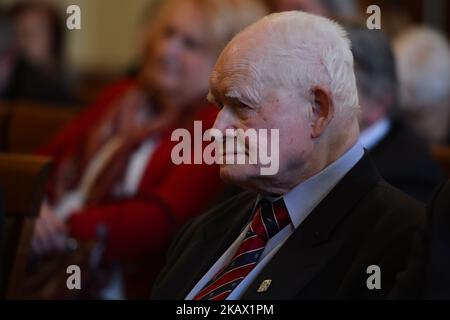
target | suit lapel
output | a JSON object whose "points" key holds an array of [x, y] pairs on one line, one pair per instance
{"points": [[217, 237], [311, 247]]}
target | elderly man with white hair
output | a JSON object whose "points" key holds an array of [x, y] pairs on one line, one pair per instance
{"points": [[325, 225]]}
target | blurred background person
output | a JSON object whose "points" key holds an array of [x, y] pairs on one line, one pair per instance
{"points": [[327, 8], [399, 154], [426, 275], [113, 166], [423, 56], [6, 50], [37, 72]]}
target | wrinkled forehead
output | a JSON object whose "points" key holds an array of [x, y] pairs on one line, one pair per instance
{"points": [[239, 65]]}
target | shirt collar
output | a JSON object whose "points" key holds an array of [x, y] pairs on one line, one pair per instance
{"points": [[370, 137]]}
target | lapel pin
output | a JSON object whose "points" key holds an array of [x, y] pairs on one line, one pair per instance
{"points": [[264, 286]]}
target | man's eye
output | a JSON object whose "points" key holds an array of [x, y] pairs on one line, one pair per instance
{"points": [[242, 105]]}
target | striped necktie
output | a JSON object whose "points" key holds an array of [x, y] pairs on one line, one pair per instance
{"points": [[268, 220]]}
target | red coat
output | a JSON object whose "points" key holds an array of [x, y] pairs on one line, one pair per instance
{"points": [[140, 229]]}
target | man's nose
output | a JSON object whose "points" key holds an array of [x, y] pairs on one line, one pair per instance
{"points": [[224, 120]]}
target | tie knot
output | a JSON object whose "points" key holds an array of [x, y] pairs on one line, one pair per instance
{"points": [[270, 218]]}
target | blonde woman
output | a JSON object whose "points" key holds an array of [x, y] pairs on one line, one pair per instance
{"points": [[113, 166]]}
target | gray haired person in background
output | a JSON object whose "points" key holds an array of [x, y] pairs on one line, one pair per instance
{"points": [[424, 74], [396, 149]]}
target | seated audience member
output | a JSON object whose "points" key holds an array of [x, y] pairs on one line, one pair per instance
{"points": [[423, 57], [113, 164], [427, 276], [37, 70], [326, 8], [401, 157], [312, 229]]}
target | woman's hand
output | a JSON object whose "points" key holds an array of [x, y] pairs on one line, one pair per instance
{"points": [[50, 232]]}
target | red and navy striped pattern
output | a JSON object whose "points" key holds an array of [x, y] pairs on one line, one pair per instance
{"points": [[267, 221]]}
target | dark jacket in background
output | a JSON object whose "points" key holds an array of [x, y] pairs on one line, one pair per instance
{"points": [[363, 221], [428, 273], [404, 161]]}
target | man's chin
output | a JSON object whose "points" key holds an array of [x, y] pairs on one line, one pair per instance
{"points": [[237, 174]]}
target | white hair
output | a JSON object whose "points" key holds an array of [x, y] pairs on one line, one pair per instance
{"points": [[302, 51], [423, 67]]}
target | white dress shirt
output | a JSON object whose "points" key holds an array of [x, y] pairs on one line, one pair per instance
{"points": [[300, 202]]}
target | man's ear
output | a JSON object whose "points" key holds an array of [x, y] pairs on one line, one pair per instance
{"points": [[322, 111]]}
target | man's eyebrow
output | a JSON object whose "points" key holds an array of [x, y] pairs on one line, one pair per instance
{"points": [[233, 94]]}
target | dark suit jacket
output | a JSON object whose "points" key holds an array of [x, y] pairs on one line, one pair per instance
{"points": [[404, 161], [362, 222], [437, 281], [428, 273]]}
